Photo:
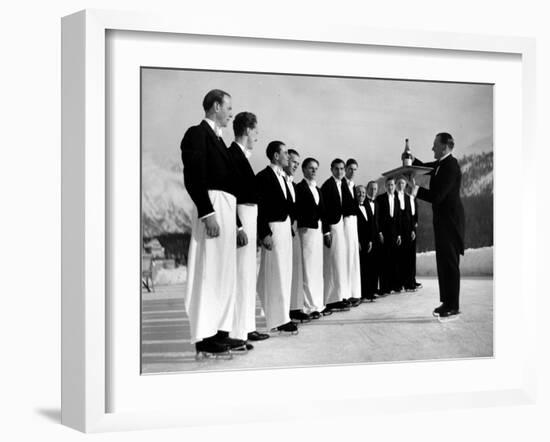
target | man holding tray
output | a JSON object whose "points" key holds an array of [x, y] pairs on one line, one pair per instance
{"points": [[448, 220]]}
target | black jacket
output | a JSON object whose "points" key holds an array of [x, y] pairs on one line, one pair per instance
{"points": [[332, 203], [444, 195], [408, 220], [207, 165], [245, 180], [308, 213], [349, 205], [389, 226], [272, 204]]}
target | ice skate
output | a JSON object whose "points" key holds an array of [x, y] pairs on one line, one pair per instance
{"points": [[212, 350], [299, 315], [354, 302], [289, 327], [237, 346], [315, 315], [448, 316], [339, 306], [437, 311]]}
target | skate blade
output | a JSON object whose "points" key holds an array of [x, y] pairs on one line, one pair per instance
{"points": [[202, 355], [448, 318], [239, 350], [275, 332]]}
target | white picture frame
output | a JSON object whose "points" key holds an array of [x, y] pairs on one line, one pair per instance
{"points": [[86, 314]]}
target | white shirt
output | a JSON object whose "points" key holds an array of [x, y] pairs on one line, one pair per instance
{"points": [[371, 204], [247, 152], [363, 211], [412, 204], [289, 179], [401, 197], [217, 130], [391, 201], [313, 188], [351, 185], [338, 186], [280, 176]]}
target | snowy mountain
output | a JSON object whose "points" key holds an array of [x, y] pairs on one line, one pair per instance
{"points": [[477, 174], [166, 205]]}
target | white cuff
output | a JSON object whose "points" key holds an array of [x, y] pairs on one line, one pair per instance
{"points": [[207, 215]]}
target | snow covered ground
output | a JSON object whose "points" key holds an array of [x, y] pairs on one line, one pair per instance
{"points": [[475, 262]]}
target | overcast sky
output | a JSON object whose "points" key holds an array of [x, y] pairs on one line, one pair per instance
{"points": [[323, 117]]}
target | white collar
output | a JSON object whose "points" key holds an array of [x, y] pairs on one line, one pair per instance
{"points": [[444, 156], [247, 152], [277, 170], [337, 180], [310, 183], [217, 130]]}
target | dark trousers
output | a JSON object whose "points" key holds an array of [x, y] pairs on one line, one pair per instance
{"points": [[447, 256], [407, 263], [369, 272], [389, 272]]}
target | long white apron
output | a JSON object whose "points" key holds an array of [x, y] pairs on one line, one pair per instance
{"points": [[244, 320], [353, 264], [336, 284], [297, 288], [211, 270], [312, 264], [275, 276]]}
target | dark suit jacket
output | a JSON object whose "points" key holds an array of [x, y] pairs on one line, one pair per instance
{"points": [[408, 220], [389, 226], [349, 205], [245, 180], [272, 204], [367, 229], [333, 205], [308, 213], [207, 165], [444, 195]]}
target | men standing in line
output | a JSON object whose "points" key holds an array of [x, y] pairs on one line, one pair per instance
{"points": [[390, 238], [211, 273], [350, 230], [407, 251], [297, 290], [367, 228], [246, 135], [309, 214], [275, 207], [448, 220], [336, 279]]}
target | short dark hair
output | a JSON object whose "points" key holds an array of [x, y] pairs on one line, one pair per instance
{"points": [[400, 177], [214, 96], [351, 161], [243, 121], [389, 178], [272, 148], [308, 160], [372, 182], [293, 152], [336, 161], [446, 138]]}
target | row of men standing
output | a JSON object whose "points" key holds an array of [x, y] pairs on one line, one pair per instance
{"points": [[320, 247]]}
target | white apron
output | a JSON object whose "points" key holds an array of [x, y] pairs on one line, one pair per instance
{"points": [[211, 270], [275, 276], [312, 264], [297, 290], [336, 285], [244, 320], [353, 264]]}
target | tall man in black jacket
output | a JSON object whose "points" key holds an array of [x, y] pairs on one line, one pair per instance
{"points": [[448, 220], [211, 273], [407, 252], [246, 135], [390, 238], [275, 207]]}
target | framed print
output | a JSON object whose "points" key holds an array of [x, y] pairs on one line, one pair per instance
{"points": [[133, 84]]}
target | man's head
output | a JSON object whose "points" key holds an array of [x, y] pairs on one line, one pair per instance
{"points": [[360, 194], [401, 184], [217, 107], [337, 168], [390, 185], [245, 128], [351, 168], [372, 189], [293, 162], [443, 144], [277, 153], [309, 168]]}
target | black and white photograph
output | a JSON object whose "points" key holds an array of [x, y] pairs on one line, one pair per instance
{"points": [[297, 221]]}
